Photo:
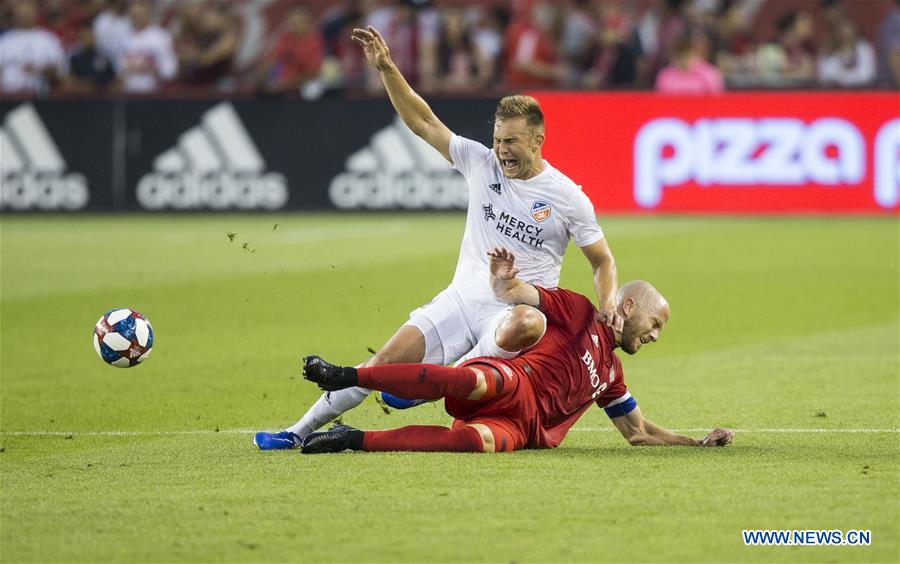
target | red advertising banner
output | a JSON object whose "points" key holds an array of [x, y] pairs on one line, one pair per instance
{"points": [[765, 152]]}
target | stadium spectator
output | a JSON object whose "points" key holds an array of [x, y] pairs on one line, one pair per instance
{"points": [[502, 405], [578, 41], [618, 49], [889, 49], [659, 29], [112, 28], [90, 71], [733, 46], [63, 18], [465, 45], [531, 51], [147, 59], [31, 57], [206, 45], [411, 29], [343, 65], [689, 73], [790, 59], [295, 59], [457, 60], [487, 38], [849, 60], [6, 16]]}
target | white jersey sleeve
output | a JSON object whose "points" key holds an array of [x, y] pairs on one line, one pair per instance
{"points": [[468, 155], [53, 55], [583, 225], [166, 60]]}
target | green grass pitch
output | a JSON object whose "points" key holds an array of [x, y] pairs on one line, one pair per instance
{"points": [[780, 327]]}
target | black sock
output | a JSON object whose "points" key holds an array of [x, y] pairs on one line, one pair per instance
{"points": [[348, 377], [355, 439]]}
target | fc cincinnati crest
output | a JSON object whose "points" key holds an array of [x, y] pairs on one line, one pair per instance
{"points": [[540, 210]]}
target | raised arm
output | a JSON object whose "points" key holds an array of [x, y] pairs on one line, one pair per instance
{"points": [[411, 108], [506, 286], [638, 431]]}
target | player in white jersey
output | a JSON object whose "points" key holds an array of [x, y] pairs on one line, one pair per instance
{"points": [[517, 200]]}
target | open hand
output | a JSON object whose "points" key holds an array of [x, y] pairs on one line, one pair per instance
{"points": [[717, 437], [374, 47], [503, 263]]}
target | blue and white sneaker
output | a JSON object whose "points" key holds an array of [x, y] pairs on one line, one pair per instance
{"points": [[276, 441], [400, 403]]}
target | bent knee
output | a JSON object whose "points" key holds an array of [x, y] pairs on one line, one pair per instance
{"points": [[488, 444], [522, 328], [495, 438], [489, 383], [406, 346]]}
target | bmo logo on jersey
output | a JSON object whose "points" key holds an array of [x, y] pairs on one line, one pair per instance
{"points": [[599, 387], [829, 152]]}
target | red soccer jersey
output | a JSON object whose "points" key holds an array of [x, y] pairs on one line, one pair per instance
{"points": [[572, 366]]}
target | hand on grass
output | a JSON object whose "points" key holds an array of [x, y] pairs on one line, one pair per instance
{"points": [[717, 437]]}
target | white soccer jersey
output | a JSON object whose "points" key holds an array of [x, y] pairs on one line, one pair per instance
{"points": [[148, 48], [24, 55], [533, 218]]}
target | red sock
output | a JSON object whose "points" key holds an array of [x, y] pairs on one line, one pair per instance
{"points": [[423, 438], [418, 381]]}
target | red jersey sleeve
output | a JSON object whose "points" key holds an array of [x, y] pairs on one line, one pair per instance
{"points": [[567, 309]]}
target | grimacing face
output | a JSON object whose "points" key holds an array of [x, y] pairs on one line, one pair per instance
{"points": [[643, 326], [517, 148]]}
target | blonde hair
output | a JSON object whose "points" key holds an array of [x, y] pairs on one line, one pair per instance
{"points": [[521, 107]]}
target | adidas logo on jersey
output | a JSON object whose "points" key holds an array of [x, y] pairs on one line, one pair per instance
{"points": [[495, 188], [398, 169], [32, 169], [215, 165]]}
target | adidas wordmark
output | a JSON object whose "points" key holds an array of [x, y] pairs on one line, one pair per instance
{"points": [[214, 165], [32, 170], [398, 169]]}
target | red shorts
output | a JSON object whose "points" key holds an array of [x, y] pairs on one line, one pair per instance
{"points": [[512, 416]]}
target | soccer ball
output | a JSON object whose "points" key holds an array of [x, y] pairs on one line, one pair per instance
{"points": [[123, 337]]}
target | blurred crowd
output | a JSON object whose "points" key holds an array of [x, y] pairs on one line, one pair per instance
{"points": [[303, 48]]}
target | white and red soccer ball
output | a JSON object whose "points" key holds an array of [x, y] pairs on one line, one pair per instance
{"points": [[123, 337]]}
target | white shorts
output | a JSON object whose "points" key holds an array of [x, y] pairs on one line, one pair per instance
{"points": [[452, 325]]}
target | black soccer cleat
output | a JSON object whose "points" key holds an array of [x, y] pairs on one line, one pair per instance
{"points": [[336, 439], [329, 377]]}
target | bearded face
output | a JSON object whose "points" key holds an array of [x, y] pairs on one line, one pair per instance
{"points": [[641, 328]]}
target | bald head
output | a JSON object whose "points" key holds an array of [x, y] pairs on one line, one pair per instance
{"points": [[644, 295], [645, 311]]}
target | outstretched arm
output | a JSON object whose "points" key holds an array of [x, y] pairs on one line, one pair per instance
{"points": [[506, 286], [411, 108], [641, 432]]}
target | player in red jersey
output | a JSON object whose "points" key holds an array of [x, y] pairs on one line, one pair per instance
{"points": [[529, 401]]}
